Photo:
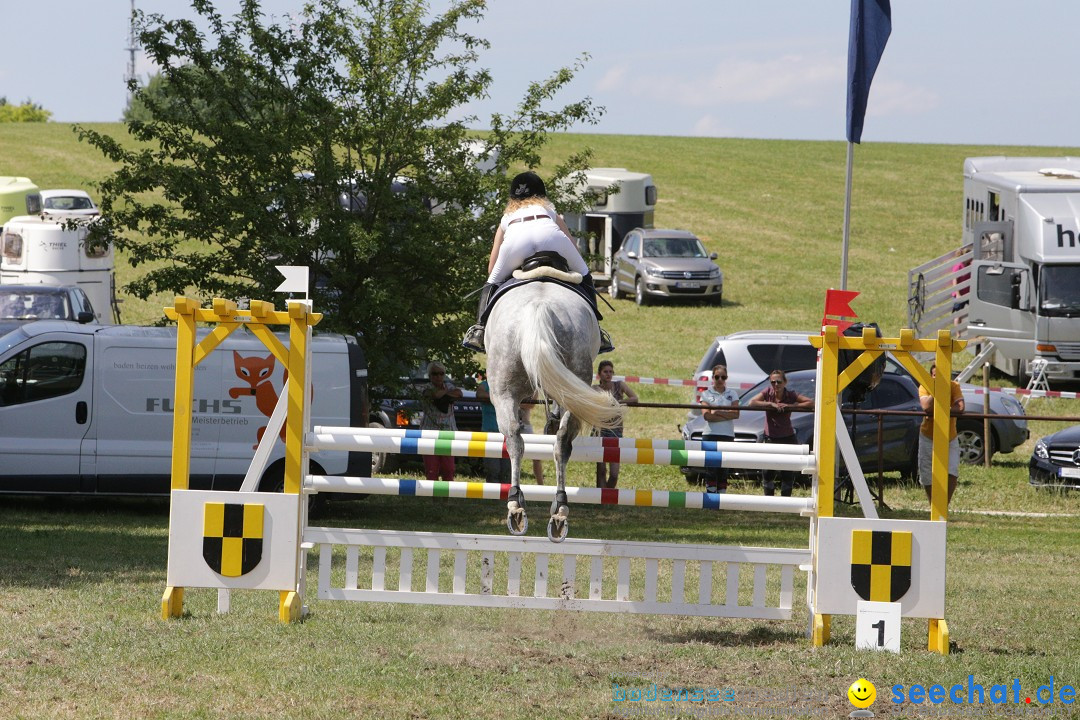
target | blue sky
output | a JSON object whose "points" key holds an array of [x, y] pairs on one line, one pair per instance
{"points": [[982, 72]]}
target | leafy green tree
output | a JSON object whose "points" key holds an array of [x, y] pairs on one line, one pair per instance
{"points": [[27, 112], [137, 110], [331, 141]]}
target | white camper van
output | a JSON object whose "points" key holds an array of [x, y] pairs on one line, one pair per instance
{"points": [[611, 215], [45, 250], [1016, 278], [88, 408]]}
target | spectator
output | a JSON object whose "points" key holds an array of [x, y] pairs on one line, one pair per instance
{"points": [[777, 402], [926, 436], [496, 470], [607, 474], [715, 401], [437, 402]]}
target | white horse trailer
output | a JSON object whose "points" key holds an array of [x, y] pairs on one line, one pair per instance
{"points": [[39, 249], [602, 226]]}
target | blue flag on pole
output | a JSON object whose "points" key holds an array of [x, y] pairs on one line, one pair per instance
{"points": [[871, 24]]}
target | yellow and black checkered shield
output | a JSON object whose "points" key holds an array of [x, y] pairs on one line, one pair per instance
{"points": [[880, 564], [232, 537]]}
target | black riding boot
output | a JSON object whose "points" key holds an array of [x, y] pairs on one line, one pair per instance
{"points": [[474, 336], [605, 340]]}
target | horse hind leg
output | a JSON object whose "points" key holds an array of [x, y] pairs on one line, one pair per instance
{"points": [[517, 521], [559, 523]]}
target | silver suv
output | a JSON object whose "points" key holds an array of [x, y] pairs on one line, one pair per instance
{"points": [[751, 355], [653, 263]]}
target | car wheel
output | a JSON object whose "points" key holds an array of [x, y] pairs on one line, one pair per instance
{"points": [[640, 296], [717, 299], [972, 446], [382, 463], [613, 288]]}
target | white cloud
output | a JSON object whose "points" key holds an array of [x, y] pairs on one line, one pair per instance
{"points": [[794, 80], [612, 79], [709, 126], [900, 98]]}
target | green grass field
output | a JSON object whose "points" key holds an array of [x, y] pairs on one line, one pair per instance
{"points": [[81, 580]]}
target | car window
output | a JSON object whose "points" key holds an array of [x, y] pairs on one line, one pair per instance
{"points": [[83, 301], [717, 358], [632, 243], [44, 371], [773, 356], [889, 393]]}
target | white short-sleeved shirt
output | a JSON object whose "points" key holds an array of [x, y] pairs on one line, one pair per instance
{"points": [[710, 396]]}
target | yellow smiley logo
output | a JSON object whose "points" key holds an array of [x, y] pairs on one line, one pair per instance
{"points": [[862, 693]]}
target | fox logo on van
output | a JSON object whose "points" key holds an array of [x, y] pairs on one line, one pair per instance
{"points": [[201, 406]]}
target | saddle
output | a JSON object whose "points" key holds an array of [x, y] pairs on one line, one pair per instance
{"points": [[544, 266]]}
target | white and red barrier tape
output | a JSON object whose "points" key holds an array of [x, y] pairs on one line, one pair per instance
{"points": [[704, 382]]}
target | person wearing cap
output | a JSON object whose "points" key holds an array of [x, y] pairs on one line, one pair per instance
{"points": [[529, 225]]}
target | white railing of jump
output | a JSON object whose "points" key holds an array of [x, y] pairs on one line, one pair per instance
{"points": [[505, 571]]}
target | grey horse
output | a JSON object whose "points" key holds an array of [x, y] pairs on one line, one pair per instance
{"points": [[543, 336]]}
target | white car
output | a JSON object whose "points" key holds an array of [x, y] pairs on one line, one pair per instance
{"points": [[750, 356], [68, 203]]}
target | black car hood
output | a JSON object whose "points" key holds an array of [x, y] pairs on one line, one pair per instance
{"points": [[1068, 436]]}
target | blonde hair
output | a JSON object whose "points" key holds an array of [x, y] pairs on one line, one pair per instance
{"points": [[514, 204]]}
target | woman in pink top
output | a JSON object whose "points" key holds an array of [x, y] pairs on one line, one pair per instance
{"points": [[777, 402]]}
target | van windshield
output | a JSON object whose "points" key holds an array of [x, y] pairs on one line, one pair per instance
{"points": [[1059, 291]]}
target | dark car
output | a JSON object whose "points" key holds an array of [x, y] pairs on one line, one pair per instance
{"points": [[1055, 462], [900, 433], [404, 413]]}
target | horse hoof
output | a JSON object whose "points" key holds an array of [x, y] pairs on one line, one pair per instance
{"points": [[557, 528], [517, 522]]}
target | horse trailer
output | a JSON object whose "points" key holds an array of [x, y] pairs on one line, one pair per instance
{"points": [[610, 215]]}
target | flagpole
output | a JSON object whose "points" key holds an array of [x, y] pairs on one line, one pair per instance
{"points": [[847, 217]]}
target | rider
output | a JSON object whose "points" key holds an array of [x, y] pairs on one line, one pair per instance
{"points": [[529, 225]]}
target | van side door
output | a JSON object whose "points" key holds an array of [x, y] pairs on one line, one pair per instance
{"points": [[46, 401]]}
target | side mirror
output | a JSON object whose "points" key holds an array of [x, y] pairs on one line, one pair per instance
{"points": [[631, 254], [85, 317], [713, 256]]}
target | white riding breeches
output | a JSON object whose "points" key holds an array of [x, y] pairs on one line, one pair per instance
{"points": [[521, 240]]}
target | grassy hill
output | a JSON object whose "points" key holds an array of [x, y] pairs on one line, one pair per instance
{"points": [[772, 210]]}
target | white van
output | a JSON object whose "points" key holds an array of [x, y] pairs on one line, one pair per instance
{"points": [[88, 408]]}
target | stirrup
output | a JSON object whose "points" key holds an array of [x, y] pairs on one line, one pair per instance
{"points": [[474, 339], [606, 345]]}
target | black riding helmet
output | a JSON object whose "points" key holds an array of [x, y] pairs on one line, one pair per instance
{"points": [[526, 185]]}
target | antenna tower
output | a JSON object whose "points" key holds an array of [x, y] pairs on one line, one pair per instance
{"points": [[132, 48]]}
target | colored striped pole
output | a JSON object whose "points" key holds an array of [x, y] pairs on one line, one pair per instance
{"points": [[338, 438], [585, 453], [546, 493]]}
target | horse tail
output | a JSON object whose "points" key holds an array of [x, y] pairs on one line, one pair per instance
{"points": [[541, 356]]}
